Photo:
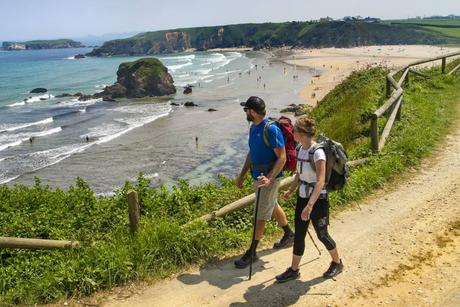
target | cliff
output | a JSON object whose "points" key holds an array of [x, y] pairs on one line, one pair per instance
{"points": [[267, 35], [42, 44]]}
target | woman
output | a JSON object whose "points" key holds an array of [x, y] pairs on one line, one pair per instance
{"points": [[312, 200]]}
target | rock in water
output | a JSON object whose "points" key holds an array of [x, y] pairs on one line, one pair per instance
{"points": [[64, 95], [142, 78], [38, 90], [190, 104], [79, 56], [115, 91], [187, 90]]}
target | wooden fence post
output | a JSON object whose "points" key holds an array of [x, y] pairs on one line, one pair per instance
{"points": [[443, 66], [375, 134], [398, 115], [133, 208], [388, 88]]}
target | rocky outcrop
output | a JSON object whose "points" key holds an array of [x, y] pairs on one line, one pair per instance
{"points": [[38, 90], [188, 90], [13, 46], [298, 110], [146, 77], [64, 95], [42, 44]]}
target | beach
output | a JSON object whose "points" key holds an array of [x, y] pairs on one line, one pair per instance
{"points": [[333, 65]]}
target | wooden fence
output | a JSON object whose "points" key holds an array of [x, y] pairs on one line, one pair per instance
{"points": [[392, 107], [395, 92]]}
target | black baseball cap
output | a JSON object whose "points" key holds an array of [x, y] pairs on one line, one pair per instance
{"points": [[255, 103]]}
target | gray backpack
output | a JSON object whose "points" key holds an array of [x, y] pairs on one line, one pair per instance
{"points": [[336, 162]]}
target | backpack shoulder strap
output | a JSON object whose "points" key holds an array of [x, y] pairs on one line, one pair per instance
{"points": [[311, 154], [266, 139]]}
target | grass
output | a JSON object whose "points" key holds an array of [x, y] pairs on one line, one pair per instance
{"points": [[165, 243], [449, 27]]}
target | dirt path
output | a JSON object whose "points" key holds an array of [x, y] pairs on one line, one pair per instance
{"points": [[401, 247]]}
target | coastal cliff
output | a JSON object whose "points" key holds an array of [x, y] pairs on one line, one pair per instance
{"points": [[42, 44], [297, 34]]}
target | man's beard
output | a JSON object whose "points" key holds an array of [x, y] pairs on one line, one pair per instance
{"points": [[249, 117]]}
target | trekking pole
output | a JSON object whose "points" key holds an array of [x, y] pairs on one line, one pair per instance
{"points": [[308, 231], [254, 230]]}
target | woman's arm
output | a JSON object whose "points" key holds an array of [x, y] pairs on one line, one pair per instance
{"points": [[295, 183], [320, 182]]}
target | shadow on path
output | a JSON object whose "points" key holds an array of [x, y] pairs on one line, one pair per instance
{"points": [[224, 275]]}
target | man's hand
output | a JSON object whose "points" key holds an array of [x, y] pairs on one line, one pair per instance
{"points": [[239, 181], [263, 181]]}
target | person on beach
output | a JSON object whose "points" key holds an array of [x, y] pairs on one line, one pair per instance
{"points": [[312, 201], [266, 164]]}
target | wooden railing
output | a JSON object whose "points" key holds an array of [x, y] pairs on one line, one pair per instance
{"points": [[23, 243], [392, 106], [395, 92]]}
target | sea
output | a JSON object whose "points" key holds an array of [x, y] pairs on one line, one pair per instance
{"points": [[109, 143]]}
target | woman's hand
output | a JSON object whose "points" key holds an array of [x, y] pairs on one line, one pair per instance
{"points": [[305, 215], [286, 194]]}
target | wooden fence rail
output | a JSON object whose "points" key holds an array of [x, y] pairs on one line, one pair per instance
{"points": [[9, 242], [395, 92], [391, 107]]}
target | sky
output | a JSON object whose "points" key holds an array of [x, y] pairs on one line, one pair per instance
{"points": [[48, 19]]}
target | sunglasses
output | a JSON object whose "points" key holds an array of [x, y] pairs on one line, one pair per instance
{"points": [[245, 109]]}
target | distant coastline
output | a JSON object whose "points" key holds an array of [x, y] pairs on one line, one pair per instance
{"points": [[41, 44]]}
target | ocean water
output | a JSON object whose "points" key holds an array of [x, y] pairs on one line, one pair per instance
{"points": [[107, 143]]}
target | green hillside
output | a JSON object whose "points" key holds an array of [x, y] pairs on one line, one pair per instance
{"points": [[266, 35]]}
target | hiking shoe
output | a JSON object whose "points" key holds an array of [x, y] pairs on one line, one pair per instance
{"points": [[245, 260], [334, 269], [286, 241], [289, 274]]}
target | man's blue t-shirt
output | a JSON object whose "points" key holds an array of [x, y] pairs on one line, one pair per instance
{"points": [[259, 152]]}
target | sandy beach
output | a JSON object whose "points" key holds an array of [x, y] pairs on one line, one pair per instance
{"points": [[332, 65]]}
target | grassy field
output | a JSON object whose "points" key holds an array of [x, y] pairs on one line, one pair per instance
{"points": [[110, 256], [449, 27]]}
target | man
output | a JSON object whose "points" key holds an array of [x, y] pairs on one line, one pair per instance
{"points": [[266, 164]]}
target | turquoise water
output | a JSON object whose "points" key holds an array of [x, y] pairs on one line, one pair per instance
{"points": [[39, 130], [59, 72], [106, 143]]}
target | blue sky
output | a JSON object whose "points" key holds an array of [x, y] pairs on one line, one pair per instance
{"points": [[45, 19]]}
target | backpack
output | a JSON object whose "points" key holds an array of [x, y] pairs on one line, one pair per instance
{"points": [[290, 145], [336, 162]]}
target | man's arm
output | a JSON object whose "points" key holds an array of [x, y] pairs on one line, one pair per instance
{"points": [[280, 153], [246, 166]]}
